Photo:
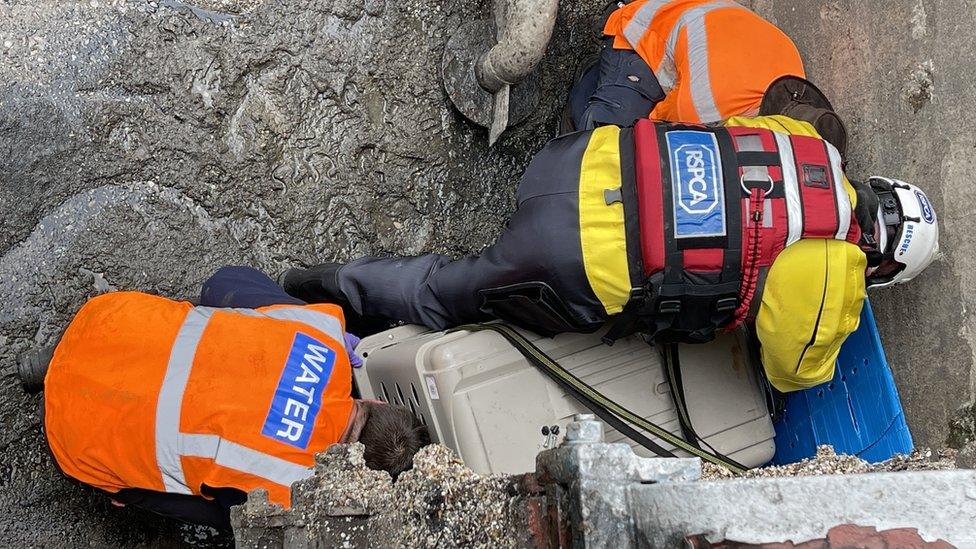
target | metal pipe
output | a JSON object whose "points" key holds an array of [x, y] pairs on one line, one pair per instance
{"points": [[523, 31]]}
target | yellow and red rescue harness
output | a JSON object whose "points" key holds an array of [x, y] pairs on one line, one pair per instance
{"points": [[715, 206]]}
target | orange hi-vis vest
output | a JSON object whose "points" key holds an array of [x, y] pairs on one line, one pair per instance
{"points": [[145, 392], [714, 59]]}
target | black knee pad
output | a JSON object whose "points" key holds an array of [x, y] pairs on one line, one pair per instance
{"points": [[627, 89]]}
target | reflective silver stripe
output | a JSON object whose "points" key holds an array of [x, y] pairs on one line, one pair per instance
{"points": [[752, 143], [791, 187], [698, 71], [322, 322], [634, 32], [244, 459], [693, 13], [666, 72], [844, 206], [171, 444], [640, 23], [170, 399], [756, 173], [195, 445], [698, 62], [241, 458]]}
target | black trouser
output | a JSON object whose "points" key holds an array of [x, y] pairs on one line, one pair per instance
{"points": [[618, 90], [532, 275]]}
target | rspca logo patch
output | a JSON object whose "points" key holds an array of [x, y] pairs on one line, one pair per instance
{"points": [[697, 186], [298, 398], [928, 214]]}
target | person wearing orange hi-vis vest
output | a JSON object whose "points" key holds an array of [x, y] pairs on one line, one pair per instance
{"points": [[696, 61], [183, 409]]}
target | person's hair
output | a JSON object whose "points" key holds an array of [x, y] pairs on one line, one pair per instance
{"points": [[392, 435]]}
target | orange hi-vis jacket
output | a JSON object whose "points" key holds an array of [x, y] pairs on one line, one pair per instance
{"points": [[145, 392], [714, 59]]}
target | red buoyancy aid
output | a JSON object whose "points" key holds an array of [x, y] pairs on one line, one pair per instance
{"points": [[716, 206]]}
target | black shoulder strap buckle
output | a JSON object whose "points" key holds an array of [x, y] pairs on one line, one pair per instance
{"points": [[727, 304], [669, 306]]}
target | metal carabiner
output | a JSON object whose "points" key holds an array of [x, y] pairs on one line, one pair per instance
{"points": [[769, 191]]}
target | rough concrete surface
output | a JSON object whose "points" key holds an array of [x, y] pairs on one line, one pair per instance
{"points": [[143, 144], [839, 537], [939, 504], [901, 74]]}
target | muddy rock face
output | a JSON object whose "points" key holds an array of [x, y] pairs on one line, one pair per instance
{"points": [[145, 144]]}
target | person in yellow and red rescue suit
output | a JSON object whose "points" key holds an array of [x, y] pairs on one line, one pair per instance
{"points": [[697, 61], [183, 409], [678, 231]]}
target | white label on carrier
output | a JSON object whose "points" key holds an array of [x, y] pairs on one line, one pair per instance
{"points": [[431, 388]]}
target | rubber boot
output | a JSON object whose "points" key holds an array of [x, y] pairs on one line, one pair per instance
{"points": [[320, 284], [32, 367]]}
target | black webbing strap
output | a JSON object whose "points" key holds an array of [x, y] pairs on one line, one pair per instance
{"points": [[674, 259], [626, 322], [672, 368], [732, 261], [672, 279], [628, 192], [758, 158], [672, 372], [606, 409]]}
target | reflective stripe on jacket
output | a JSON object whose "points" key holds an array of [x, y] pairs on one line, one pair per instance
{"points": [[144, 392], [814, 275], [713, 58]]}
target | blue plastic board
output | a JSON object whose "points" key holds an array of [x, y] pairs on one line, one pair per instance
{"points": [[858, 412]]}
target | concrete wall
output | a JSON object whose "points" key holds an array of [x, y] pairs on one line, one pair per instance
{"points": [[902, 75]]}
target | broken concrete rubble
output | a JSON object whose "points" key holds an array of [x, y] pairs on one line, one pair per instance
{"points": [[587, 493], [439, 503]]}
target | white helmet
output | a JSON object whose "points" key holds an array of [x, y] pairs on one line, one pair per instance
{"points": [[909, 235]]}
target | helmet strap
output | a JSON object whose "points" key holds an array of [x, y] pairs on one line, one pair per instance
{"points": [[875, 258]]}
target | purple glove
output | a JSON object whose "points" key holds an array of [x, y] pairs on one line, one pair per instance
{"points": [[351, 343]]}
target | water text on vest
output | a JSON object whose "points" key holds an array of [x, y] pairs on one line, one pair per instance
{"points": [[298, 397]]}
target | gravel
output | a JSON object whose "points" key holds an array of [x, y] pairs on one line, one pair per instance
{"points": [[442, 503], [438, 503], [828, 462]]}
